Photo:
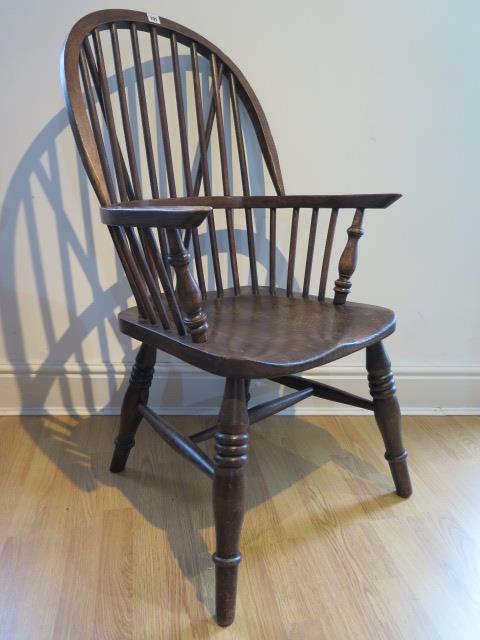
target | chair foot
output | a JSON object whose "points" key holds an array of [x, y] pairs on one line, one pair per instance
{"points": [[388, 416], [137, 392], [226, 574], [231, 447], [401, 477], [120, 455]]}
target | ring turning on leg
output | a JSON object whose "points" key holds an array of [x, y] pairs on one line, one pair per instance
{"points": [[231, 449], [388, 416], [137, 392]]}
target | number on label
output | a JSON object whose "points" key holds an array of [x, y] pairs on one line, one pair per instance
{"points": [[153, 18]]}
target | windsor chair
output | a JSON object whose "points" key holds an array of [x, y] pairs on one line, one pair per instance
{"points": [[137, 129]]}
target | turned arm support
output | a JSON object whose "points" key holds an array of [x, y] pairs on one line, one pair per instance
{"points": [[142, 215], [348, 259], [188, 290]]}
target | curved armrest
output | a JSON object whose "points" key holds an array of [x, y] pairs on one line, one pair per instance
{"points": [[360, 201], [146, 264], [146, 213]]}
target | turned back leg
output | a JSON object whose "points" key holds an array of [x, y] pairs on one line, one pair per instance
{"points": [[388, 416], [231, 447], [137, 392]]}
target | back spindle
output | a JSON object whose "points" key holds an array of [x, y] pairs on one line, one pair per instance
{"points": [[133, 274], [348, 259], [292, 252], [245, 182], [157, 265], [97, 69], [202, 171], [327, 254], [96, 129], [182, 126], [310, 250], [142, 100], [273, 251], [208, 132], [188, 173], [127, 128], [224, 167], [149, 278], [162, 112], [106, 105]]}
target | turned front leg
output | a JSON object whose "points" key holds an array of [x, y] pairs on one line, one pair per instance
{"points": [[388, 416], [231, 448]]}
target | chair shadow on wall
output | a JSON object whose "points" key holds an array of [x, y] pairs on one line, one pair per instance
{"points": [[65, 441]]}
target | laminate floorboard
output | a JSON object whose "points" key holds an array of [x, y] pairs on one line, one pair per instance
{"points": [[329, 550]]}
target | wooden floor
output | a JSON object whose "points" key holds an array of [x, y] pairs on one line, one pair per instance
{"points": [[329, 551]]}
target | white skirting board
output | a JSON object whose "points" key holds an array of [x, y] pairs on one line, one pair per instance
{"points": [[178, 388]]}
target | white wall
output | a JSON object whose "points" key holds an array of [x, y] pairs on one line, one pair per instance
{"points": [[368, 96]]}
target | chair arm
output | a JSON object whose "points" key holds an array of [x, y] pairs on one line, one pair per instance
{"points": [[145, 263], [145, 213], [362, 201]]}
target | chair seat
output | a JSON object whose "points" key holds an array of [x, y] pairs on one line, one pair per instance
{"points": [[264, 336]]}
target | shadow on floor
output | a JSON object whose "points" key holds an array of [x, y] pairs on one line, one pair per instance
{"points": [[174, 496]]}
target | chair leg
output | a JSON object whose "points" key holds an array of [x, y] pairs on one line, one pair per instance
{"points": [[137, 392], [388, 416], [231, 449]]}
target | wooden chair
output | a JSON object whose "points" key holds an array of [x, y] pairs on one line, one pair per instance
{"points": [[241, 332]]}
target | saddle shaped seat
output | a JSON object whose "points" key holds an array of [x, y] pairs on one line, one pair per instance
{"points": [[264, 336]]}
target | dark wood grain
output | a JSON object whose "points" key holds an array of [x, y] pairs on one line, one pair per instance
{"points": [[358, 201], [132, 271], [245, 180], [240, 333], [127, 126], [224, 169], [188, 292], [162, 111], [260, 411], [169, 217], [311, 247], [325, 391], [182, 126], [179, 442], [147, 136], [202, 138], [231, 450], [292, 251], [272, 264], [148, 277], [208, 133], [102, 167], [157, 265], [107, 109], [327, 253], [387, 414], [130, 416], [348, 259], [264, 336]]}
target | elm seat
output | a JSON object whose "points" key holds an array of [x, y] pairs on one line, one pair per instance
{"points": [[263, 336]]}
